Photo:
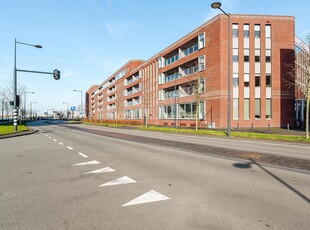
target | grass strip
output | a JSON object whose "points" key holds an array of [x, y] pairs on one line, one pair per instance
{"points": [[8, 128]]}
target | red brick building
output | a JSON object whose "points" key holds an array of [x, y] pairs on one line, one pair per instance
{"points": [[195, 68]]}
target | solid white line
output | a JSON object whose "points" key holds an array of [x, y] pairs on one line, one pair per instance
{"points": [[70, 148], [61, 143], [83, 155]]}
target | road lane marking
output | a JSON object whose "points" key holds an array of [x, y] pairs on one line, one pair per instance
{"points": [[50, 137], [122, 180], [68, 147], [88, 163], [83, 155], [151, 196], [103, 170], [54, 140], [61, 143]]}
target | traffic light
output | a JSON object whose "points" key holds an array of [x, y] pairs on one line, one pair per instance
{"points": [[17, 101], [56, 74]]}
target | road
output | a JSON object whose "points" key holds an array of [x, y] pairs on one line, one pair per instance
{"points": [[61, 178]]}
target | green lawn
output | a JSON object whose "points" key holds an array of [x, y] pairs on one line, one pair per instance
{"points": [[8, 128], [210, 132]]}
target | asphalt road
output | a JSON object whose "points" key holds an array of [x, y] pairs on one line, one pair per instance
{"points": [[44, 186]]}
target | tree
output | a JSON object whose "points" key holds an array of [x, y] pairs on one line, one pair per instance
{"points": [[298, 76], [197, 82], [7, 91]]}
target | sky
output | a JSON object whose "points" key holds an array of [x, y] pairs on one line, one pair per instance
{"points": [[89, 40]]}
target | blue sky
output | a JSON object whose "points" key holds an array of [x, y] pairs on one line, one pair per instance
{"points": [[88, 40]]}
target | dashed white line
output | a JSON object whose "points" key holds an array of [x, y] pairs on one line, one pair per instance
{"points": [[68, 147], [54, 140], [61, 143], [83, 155], [50, 137]]}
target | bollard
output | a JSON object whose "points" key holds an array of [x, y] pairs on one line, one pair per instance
{"points": [[252, 127], [268, 127], [288, 127]]}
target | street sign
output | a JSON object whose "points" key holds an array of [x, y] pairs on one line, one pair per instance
{"points": [[72, 108], [81, 112]]}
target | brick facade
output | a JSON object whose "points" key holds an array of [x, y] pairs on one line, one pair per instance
{"points": [[145, 89]]}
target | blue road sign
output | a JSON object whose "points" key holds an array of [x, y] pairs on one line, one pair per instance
{"points": [[72, 108]]}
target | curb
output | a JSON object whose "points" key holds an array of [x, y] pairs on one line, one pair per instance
{"points": [[23, 133]]}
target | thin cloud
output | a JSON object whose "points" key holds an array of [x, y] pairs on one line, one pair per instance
{"points": [[118, 29], [68, 74]]}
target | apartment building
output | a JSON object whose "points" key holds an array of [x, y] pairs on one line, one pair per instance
{"points": [[191, 75]]}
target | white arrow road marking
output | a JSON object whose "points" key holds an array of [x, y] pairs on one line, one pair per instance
{"points": [[83, 155], [68, 147], [61, 143], [151, 196], [88, 163], [122, 180], [103, 170]]}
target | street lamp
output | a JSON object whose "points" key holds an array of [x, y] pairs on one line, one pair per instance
{"points": [[15, 80], [217, 5], [79, 90], [25, 115], [32, 102]]}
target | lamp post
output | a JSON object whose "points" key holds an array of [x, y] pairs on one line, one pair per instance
{"points": [[67, 103], [79, 90], [25, 115], [15, 79], [32, 102], [217, 5]]}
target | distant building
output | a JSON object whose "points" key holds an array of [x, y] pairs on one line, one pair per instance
{"points": [[260, 48]]}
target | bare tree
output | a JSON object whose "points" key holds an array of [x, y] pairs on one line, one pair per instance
{"points": [[298, 76], [197, 82]]}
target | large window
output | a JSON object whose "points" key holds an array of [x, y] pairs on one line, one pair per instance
{"points": [[257, 55], [235, 108], [257, 80], [246, 55], [257, 108], [235, 30], [268, 56], [235, 55], [201, 43], [246, 109], [268, 80], [268, 108], [246, 30], [184, 111], [257, 31]]}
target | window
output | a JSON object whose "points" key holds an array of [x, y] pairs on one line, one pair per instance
{"points": [[235, 30], [268, 31], [235, 80], [257, 80], [268, 56], [246, 84], [201, 43], [257, 108], [201, 63], [246, 30], [257, 31], [268, 80], [235, 55], [268, 108], [236, 108], [257, 55], [246, 55], [246, 109]]}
